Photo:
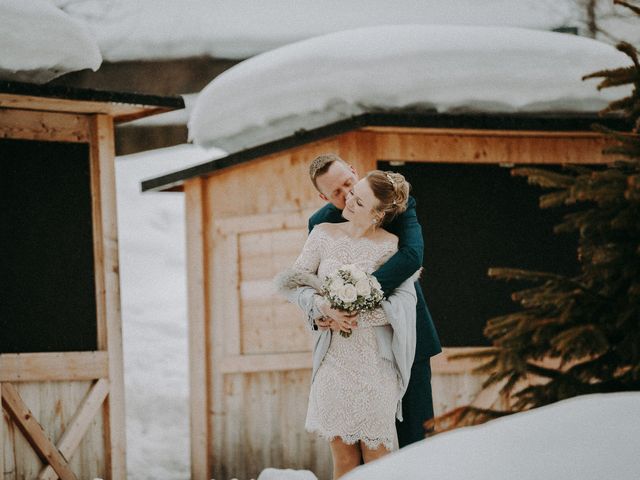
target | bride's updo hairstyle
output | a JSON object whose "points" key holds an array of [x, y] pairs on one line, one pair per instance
{"points": [[392, 191]]}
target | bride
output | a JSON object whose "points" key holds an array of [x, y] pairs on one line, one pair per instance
{"points": [[358, 381]]}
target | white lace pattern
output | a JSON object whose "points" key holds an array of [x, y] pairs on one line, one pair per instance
{"points": [[355, 392]]}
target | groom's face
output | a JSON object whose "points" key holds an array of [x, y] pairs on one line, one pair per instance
{"points": [[336, 183]]}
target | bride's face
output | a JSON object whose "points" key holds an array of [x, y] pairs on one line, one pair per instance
{"points": [[361, 204]]}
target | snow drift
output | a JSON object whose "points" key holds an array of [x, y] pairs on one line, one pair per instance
{"points": [[40, 42], [410, 68], [584, 438]]}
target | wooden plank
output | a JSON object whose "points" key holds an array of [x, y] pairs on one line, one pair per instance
{"points": [[57, 366], [296, 219], [33, 432], [265, 363], [197, 281], [231, 286], [481, 147], [443, 363], [45, 126], [78, 426], [109, 326], [481, 133], [120, 111]]}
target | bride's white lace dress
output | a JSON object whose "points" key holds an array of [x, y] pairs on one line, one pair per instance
{"points": [[355, 392]]}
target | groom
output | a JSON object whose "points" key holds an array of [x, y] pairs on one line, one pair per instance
{"points": [[334, 178]]}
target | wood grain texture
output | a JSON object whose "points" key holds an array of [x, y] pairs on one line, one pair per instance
{"points": [[119, 111], [108, 284], [54, 404], [58, 366], [34, 433], [43, 126], [484, 146], [75, 430], [199, 351]]}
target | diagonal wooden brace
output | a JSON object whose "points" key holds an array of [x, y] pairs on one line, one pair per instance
{"points": [[33, 432], [79, 425]]}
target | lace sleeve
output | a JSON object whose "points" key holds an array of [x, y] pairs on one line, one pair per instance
{"points": [[372, 318], [309, 258]]}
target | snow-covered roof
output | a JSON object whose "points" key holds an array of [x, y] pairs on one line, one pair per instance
{"points": [[238, 29], [325, 79], [589, 437], [40, 42]]}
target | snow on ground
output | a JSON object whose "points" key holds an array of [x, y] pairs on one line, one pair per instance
{"points": [[39, 42], [591, 437], [448, 68], [237, 29], [153, 292]]}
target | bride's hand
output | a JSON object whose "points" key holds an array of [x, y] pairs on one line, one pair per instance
{"points": [[345, 321]]}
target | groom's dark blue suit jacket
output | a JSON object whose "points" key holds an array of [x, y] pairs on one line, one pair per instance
{"points": [[404, 263]]}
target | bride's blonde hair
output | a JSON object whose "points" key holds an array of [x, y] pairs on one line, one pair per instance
{"points": [[392, 191]]}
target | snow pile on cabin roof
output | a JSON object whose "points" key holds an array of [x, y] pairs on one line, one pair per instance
{"points": [[39, 42], [321, 80], [590, 437], [238, 29]]}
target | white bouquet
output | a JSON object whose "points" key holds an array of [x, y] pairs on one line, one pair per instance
{"points": [[352, 290]]}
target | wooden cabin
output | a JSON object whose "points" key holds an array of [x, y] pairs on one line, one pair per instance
{"points": [[61, 366], [246, 220]]}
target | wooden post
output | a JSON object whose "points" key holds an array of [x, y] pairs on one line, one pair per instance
{"points": [[199, 375], [108, 288], [2, 445]]}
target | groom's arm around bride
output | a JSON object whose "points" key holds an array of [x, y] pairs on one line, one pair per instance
{"points": [[333, 178]]}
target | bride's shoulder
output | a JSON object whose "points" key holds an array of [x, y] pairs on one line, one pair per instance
{"points": [[327, 227], [382, 236]]}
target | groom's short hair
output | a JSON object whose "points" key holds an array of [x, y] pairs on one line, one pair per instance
{"points": [[321, 164]]}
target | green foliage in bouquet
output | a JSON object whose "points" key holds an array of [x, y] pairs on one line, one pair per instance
{"points": [[586, 328]]}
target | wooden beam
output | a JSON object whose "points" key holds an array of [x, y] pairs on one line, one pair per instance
{"points": [[108, 287], [470, 132], [57, 366], [266, 221], [119, 111], [269, 362], [443, 364], [44, 126], [199, 378], [34, 433], [489, 147], [78, 426]]}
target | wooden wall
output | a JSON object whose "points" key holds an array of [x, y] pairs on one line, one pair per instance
{"points": [[249, 351], [63, 412]]}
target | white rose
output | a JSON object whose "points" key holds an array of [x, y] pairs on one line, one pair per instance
{"points": [[348, 293], [362, 287], [336, 285], [375, 283], [358, 274]]}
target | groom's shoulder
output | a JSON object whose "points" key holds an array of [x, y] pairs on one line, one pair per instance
{"points": [[322, 215]]}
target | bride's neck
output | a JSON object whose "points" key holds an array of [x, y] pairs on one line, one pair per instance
{"points": [[358, 231]]}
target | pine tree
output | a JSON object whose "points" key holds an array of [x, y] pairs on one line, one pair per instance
{"points": [[586, 326]]}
